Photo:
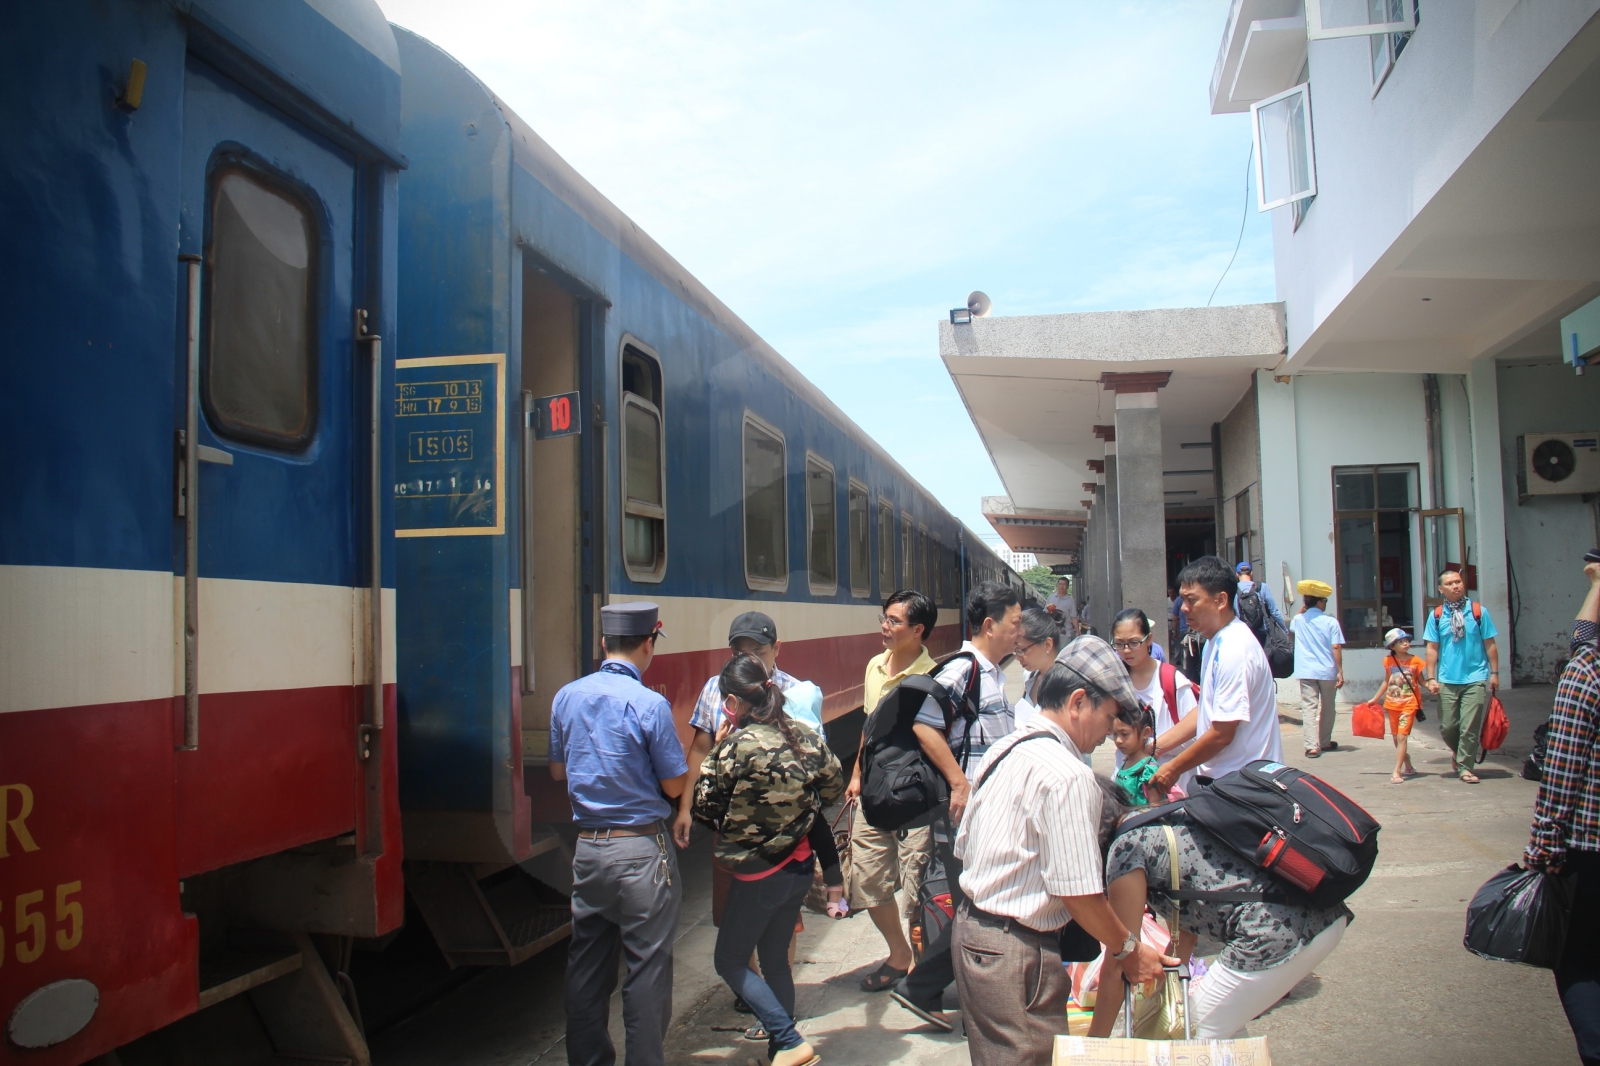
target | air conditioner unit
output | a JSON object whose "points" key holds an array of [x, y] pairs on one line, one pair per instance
{"points": [[1557, 464]]}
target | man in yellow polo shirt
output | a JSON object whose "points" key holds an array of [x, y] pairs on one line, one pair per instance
{"points": [[880, 861]]}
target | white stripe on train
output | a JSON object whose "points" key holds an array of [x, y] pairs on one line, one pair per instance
{"points": [[80, 636]]}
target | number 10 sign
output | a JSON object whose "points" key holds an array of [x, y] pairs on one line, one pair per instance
{"points": [[554, 416]]}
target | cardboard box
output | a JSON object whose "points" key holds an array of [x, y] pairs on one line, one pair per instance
{"points": [[1090, 1051]]}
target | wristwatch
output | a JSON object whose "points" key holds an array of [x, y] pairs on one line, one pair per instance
{"points": [[1128, 947]]}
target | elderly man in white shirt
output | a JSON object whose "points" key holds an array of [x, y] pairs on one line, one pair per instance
{"points": [[1032, 846]]}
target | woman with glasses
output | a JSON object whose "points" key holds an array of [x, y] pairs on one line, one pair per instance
{"points": [[1159, 685], [1037, 647]]}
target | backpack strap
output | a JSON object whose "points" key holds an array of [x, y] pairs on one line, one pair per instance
{"points": [[1169, 689], [998, 759]]}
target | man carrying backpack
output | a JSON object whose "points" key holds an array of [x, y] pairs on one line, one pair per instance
{"points": [[884, 860], [1463, 669], [1254, 603], [956, 746]]}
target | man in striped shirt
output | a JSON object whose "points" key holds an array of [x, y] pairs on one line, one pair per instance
{"points": [[1032, 847]]}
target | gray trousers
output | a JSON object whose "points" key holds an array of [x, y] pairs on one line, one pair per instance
{"points": [[626, 894], [1316, 712], [1013, 991]]}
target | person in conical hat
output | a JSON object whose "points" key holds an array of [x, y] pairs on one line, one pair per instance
{"points": [[1318, 664]]}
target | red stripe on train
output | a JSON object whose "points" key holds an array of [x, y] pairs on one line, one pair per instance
{"points": [[114, 818]]}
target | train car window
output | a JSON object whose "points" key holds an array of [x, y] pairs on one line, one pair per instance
{"points": [[260, 368], [886, 583], [644, 512], [822, 527], [766, 512], [922, 564], [908, 553], [936, 564], [860, 540]]}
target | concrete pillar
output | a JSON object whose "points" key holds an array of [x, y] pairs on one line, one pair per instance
{"points": [[1280, 484], [1488, 518], [1100, 560], [1113, 540], [1141, 503]]}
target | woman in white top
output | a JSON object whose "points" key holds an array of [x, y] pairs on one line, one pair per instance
{"points": [[1152, 681], [1037, 647]]}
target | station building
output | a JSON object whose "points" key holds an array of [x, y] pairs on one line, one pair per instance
{"points": [[1416, 398]]}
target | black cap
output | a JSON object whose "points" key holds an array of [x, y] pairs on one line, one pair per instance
{"points": [[629, 619], [755, 625]]}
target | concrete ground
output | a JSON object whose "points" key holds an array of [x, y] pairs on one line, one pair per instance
{"points": [[1400, 988]]}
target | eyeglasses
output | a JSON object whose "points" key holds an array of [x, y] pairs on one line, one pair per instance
{"points": [[1129, 645], [1023, 649], [891, 621]]}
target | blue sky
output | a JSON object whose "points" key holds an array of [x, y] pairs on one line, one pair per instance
{"points": [[842, 174]]}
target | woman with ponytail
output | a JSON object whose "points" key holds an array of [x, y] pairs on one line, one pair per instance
{"points": [[763, 787]]}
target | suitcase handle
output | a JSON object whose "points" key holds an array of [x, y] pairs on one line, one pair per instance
{"points": [[1182, 970]]}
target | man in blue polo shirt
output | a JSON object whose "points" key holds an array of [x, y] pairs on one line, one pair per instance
{"points": [[1463, 669], [614, 743]]}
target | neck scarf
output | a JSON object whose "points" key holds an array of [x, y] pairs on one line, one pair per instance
{"points": [[1458, 618]]}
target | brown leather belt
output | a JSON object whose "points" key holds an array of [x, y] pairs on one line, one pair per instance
{"points": [[621, 831]]}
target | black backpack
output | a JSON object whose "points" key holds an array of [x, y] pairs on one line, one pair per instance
{"points": [[1269, 632], [1316, 841], [1253, 613], [900, 787]]}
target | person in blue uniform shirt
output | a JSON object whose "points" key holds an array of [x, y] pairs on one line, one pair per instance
{"points": [[614, 743]]}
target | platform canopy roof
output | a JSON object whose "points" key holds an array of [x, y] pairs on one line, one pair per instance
{"points": [[1034, 386]]}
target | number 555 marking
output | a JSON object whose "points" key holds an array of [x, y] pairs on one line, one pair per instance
{"points": [[30, 924]]}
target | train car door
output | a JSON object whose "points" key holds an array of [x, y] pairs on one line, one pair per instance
{"points": [[272, 210], [553, 637]]}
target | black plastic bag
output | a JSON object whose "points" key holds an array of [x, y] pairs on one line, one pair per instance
{"points": [[1533, 765], [1520, 916]]}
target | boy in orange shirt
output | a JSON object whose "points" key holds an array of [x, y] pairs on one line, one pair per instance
{"points": [[1401, 693]]}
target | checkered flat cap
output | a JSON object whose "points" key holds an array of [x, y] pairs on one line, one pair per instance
{"points": [[1098, 663]]}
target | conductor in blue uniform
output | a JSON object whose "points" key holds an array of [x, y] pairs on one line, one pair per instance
{"points": [[614, 743]]}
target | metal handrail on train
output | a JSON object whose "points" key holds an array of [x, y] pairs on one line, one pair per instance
{"points": [[374, 342], [189, 501]]}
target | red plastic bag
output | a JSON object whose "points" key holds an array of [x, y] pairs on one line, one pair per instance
{"points": [[1367, 720], [1495, 726]]}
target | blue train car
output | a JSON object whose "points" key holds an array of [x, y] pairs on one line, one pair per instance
{"points": [[582, 422], [196, 606]]}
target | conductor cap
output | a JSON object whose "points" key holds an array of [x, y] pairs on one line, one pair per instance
{"points": [[629, 619]]}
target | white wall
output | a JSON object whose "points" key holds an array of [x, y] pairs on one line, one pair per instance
{"points": [[1381, 158], [1546, 536], [1351, 420]]}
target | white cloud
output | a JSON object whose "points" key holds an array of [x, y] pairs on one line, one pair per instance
{"points": [[841, 174]]}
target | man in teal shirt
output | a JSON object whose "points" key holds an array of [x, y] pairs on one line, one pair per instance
{"points": [[1463, 669]]}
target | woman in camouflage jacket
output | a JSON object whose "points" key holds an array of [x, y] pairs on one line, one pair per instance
{"points": [[763, 787]]}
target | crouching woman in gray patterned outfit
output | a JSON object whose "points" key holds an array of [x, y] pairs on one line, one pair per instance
{"points": [[763, 787], [1267, 947]]}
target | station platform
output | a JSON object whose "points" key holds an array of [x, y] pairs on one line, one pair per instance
{"points": [[1399, 987]]}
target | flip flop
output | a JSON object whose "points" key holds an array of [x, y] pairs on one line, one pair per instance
{"points": [[756, 1034], [883, 978], [1316, 754], [1469, 778], [1396, 779], [927, 1016]]}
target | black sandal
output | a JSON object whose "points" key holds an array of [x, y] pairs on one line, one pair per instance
{"points": [[883, 978]]}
